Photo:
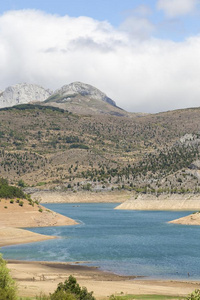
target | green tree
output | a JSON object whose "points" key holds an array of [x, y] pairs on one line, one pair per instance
{"points": [[194, 296], [21, 183], [71, 288], [8, 289]]}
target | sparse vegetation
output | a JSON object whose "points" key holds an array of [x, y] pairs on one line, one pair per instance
{"points": [[47, 146]]}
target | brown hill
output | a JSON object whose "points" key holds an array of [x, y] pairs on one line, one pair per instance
{"points": [[49, 147]]}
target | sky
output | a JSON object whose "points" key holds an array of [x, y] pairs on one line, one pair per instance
{"points": [[143, 54]]}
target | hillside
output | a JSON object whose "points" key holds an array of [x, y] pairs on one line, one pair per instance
{"points": [[51, 148]]}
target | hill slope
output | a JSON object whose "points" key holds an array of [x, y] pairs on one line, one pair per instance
{"points": [[53, 148]]}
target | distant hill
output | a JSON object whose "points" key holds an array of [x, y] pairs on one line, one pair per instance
{"points": [[52, 148]]}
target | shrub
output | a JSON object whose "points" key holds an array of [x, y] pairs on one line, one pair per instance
{"points": [[21, 203], [11, 201], [79, 146], [70, 290], [194, 296], [8, 289], [61, 295], [21, 183], [87, 187]]}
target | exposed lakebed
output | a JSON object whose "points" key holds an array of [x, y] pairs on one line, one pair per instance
{"points": [[125, 242]]}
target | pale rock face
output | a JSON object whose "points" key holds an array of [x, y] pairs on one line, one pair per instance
{"points": [[79, 88], [23, 93], [186, 138]]}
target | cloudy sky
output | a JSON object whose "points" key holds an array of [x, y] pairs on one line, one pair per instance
{"points": [[143, 54]]}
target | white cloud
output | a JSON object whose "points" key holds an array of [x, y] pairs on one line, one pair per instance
{"points": [[141, 11], [138, 28], [174, 8], [140, 75], [136, 23]]}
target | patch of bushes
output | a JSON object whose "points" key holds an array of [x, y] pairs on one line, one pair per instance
{"points": [[79, 146], [33, 107], [8, 191]]}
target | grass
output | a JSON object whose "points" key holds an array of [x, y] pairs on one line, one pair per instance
{"points": [[131, 297], [147, 297]]}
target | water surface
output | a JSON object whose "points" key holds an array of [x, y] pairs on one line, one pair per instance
{"points": [[125, 242]]}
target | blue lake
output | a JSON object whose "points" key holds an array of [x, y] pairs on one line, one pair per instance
{"points": [[124, 242]]}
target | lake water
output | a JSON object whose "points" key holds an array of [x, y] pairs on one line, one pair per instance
{"points": [[124, 242]]}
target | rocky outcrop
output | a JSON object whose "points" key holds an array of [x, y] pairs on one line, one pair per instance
{"points": [[195, 165], [23, 93], [78, 88]]}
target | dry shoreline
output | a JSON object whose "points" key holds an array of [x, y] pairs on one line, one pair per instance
{"points": [[45, 196], [14, 217], [177, 202], [34, 277]]}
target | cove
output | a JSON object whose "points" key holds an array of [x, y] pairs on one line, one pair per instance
{"points": [[138, 243]]}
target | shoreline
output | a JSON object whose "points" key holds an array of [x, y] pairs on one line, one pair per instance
{"points": [[14, 220], [168, 202], [10, 236], [33, 277]]}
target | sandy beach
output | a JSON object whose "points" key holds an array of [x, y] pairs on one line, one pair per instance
{"points": [[34, 277], [14, 217], [193, 219]]}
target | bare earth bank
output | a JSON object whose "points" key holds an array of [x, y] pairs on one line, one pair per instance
{"points": [[33, 277], [13, 217], [81, 197], [162, 202], [193, 219]]}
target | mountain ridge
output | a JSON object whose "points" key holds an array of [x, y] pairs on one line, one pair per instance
{"points": [[76, 97], [23, 93]]}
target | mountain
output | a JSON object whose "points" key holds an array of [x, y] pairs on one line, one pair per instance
{"points": [[81, 98], [23, 93], [82, 89], [75, 97]]}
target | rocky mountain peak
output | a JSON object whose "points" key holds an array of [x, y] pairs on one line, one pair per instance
{"points": [[83, 89], [23, 93]]}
